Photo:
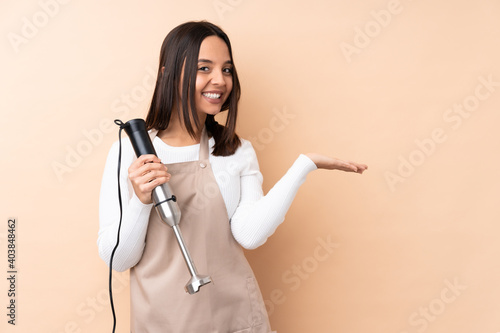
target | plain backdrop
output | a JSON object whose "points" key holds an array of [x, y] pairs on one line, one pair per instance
{"points": [[411, 88]]}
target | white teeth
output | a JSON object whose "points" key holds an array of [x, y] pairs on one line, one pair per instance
{"points": [[211, 95]]}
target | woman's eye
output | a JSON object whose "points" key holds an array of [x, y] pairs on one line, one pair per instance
{"points": [[227, 70], [203, 68]]}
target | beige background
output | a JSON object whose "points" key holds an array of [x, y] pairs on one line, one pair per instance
{"points": [[411, 246]]}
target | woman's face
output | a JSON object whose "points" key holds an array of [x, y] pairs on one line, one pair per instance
{"points": [[214, 80]]}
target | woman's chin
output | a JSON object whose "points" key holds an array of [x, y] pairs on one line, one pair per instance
{"points": [[211, 112]]}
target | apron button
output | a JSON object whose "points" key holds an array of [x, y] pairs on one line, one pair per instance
{"points": [[203, 165]]}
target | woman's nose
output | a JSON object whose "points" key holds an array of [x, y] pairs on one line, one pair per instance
{"points": [[218, 78]]}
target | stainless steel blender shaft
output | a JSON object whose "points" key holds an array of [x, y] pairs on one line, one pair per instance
{"points": [[168, 210], [196, 280]]}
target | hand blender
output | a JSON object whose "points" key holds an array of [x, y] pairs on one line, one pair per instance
{"points": [[164, 201]]}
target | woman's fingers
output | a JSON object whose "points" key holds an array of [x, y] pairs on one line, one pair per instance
{"points": [[360, 167], [345, 166], [150, 176], [148, 185], [145, 174], [143, 160], [150, 170]]}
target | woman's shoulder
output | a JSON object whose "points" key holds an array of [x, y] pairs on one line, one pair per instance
{"points": [[244, 159], [245, 145], [245, 150]]}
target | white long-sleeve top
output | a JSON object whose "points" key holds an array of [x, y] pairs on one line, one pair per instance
{"points": [[253, 216]]}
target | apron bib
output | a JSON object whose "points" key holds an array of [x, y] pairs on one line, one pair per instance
{"points": [[232, 303]]}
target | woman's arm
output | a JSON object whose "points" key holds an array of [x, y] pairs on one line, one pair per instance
{"points": [[135, 213], [258, 216]]}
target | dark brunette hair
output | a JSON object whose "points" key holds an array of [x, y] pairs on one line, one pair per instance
{"points": [[179, 50]]}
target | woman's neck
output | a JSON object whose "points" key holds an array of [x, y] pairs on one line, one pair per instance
{"points": [[176, 134]]}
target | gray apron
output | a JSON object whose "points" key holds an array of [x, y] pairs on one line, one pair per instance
{"points": [[232, 303]]}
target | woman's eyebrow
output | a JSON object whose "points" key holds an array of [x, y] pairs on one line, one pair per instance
{"points": [[211, 62]]}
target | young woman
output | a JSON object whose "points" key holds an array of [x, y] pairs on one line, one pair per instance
{"points": [[216, 179]]}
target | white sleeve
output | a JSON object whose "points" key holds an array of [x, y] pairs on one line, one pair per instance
{"points": [[257, 216], [135, 213]]}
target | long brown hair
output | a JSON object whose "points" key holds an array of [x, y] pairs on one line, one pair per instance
{"points": [[180, 49]]}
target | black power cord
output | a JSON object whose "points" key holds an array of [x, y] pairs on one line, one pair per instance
{"points": [[122, 125]]}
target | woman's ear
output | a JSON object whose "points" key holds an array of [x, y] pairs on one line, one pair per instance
{"points": [[162, 69]]}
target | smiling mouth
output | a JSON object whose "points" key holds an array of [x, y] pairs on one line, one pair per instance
{"points": [[212, 95]]}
